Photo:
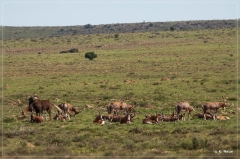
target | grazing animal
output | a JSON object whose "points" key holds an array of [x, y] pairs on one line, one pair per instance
{"points": [[201, 115], [150, 119], [68, 109], [130, 108], [185, 106], [65, 110], [72, 109], [36, 119], [117, 106], [107, 117], [213, 106], [115, 118], [60, 117], [98, 119], [128, 118], [40, 105]]}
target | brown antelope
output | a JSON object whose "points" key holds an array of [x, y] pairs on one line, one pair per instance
{"points": [[40, 105], [36, 119], [98, 119], [220, 117], [67, 109], [73, 109], [128, 118], [107, 117], [213, 106], [201, 115], [60, 117], [185, 106], [150, 119], [117, 106]]}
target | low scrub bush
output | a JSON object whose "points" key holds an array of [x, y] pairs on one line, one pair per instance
{"points": [[73, 50]]}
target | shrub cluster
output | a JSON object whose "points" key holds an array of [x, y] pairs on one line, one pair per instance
{"points": [[73, 50]]}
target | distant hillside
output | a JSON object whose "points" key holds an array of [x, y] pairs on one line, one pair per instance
{"points": [[40, 32]]}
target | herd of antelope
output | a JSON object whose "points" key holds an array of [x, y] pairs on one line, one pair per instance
{"points": [[119, 112], [64, 110]]}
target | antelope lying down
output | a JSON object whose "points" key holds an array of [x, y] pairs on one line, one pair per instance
{"points": [[151, 119], [209, 116], [99, 119], [60, 117], [36, 119], [154, 119], [128, 118]]}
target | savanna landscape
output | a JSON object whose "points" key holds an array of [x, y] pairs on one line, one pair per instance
{"points": [[151, 70]]}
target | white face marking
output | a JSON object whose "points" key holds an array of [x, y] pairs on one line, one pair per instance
{"points": [[129, 117]]}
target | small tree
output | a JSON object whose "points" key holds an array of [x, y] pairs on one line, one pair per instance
{"points": [[87, 26], [116, 36], [90, 55], [172, 28], [151, 24]]}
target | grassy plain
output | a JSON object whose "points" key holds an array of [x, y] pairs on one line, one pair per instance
{"points": [[201, 66]]}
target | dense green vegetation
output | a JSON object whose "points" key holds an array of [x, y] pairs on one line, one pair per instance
{"points": [[163, 67]]}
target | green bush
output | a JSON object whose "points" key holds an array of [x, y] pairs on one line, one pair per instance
{"points": [[90, 55], [172, 28], [116, 36]]}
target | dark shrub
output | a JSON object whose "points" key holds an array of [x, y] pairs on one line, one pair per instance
{"points": [[90, 55]]}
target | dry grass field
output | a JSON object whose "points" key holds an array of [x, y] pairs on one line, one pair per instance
{"points": [[152, 71]]}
